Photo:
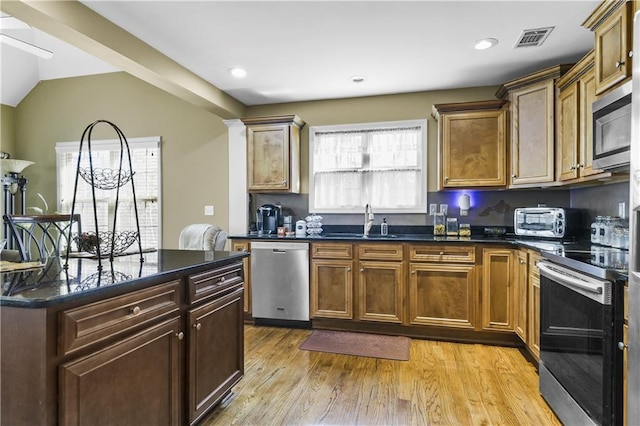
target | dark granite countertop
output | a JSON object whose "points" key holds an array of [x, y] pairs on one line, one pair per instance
{"points": [[577, 253], [52, 285]]}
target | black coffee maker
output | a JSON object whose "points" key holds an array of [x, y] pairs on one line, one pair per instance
{"points": [[267, 219]]}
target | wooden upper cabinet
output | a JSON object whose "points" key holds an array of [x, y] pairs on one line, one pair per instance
{"points": [[612, 25], [273, 153], [574, 123], [532, 106], [472, 144]]}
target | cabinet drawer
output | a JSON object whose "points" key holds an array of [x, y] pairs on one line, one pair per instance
{"points": [[93, 323], [214, 282], [380, 251], [442, 253], [332, 251]]}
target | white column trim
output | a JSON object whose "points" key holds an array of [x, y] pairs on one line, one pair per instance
{"points": [[238, 199]]}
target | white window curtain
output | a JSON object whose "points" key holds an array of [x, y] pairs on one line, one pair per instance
{"points": [[146, 163], [381, 164]]}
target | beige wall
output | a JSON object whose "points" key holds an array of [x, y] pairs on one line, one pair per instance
{"points": [[407, 106], [7, 130], [194, 141]]}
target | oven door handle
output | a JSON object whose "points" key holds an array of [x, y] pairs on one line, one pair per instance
{"points": [[568, 280]]}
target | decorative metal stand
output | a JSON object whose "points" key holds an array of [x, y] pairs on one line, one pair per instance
{"points": [[11, 183], [111, 242]]}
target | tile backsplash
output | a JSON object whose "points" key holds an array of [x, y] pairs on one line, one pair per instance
{"points": [[488, 208]]}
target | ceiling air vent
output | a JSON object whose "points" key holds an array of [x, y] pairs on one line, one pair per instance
{"points": [[531, 38]]}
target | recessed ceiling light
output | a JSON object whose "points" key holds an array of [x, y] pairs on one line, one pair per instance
{"points": [[485, 43], [237, 72], [357, 78]]}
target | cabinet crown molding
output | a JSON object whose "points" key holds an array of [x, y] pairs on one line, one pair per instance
{"points": [[438, 109], [602, 12], [553, 72], [577, 71]]}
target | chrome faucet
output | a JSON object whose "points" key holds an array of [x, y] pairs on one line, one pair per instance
{"points": [[368, 220]]}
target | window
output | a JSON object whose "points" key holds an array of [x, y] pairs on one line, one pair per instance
{"points": [[145, 159], [381, 164]]}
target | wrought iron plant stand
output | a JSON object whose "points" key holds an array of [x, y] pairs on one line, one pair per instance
{"points": [[111, 242]]}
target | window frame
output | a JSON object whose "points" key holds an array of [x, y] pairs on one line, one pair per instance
{"points": [[421, 207], [113, 145]]}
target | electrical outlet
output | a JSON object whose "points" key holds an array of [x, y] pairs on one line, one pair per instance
{"points": [[622, 210], [208, 210], [433, 209]]}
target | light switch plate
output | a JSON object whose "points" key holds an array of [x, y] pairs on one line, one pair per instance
{"points": [[433, 209], [622, 210], [208, 210]]}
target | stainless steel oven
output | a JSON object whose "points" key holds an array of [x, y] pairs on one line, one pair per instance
{"points": [[580, 363]]}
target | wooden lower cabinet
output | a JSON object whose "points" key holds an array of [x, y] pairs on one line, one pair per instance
{"points": [[331, 289], [534, 316], [215, 354], [520, 307], [109, 384], [381, 291], [442, 294], [497, 289], [245, 246], [533, 302]]}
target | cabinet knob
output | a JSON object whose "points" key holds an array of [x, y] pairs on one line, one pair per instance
{"points": [[622, 346], [580, 166], [441, 253], [180, 335], [619, 64], [135, 310], [631, 53], [222, 279], [446, 178], [413, 272], [572, 168], [348, 269], [197, 326], [514, 176], [522, 262], [361, 269]]}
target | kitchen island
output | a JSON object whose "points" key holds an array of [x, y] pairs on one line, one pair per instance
{"points": [[157, 342]]}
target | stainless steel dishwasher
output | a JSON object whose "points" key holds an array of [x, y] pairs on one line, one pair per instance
{"points": [[280, 282]]}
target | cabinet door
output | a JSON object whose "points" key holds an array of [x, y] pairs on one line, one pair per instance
{"points": [[612, 44], [381, 291], [587, 94], [473, 149], [216, 352], [332, 288], [442, 295], [521, 307], [532, 134], [497, 293], [268, 157], [568, 132], [136, 380], [534, 315], [244, 246]]}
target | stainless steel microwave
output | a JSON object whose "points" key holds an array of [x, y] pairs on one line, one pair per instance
{"points": [[612, 129], [546, 222]]}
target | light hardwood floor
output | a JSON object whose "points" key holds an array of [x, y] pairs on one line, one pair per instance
{"points": [[442, 384]]}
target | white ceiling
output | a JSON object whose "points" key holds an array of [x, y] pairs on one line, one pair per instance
{"points": [[308, 50]]}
